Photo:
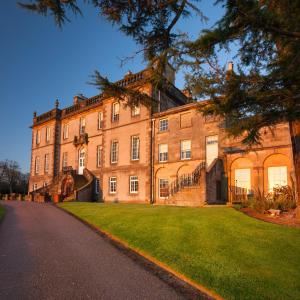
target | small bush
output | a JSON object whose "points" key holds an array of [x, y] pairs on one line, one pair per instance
{"points": [[282, 197]]}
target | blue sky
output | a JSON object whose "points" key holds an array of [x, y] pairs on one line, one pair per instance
{"points": [[39, 63]]}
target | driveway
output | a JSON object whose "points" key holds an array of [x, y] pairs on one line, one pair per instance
{"points": [[47, 254]]}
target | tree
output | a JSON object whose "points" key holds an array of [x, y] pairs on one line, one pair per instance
{"points": [[10, 174], [262, 91]]}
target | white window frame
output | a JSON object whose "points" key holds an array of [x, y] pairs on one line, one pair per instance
{"points": [[38, 137], [114, 151], [99, 154], [112, 185], [65, 159], [115, 112], [283, 181], [163, 125], [100, 120], [160, 183], [37, 165], [48, 132], [35, 186], [163, 156], [135, 110], [45, 184], [133, 184], [66, 131], [46, 163], [82, 125], [185, 154], [243, 185], [135, 147]]}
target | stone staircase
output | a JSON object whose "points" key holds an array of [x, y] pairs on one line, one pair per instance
{"points": [[188, 189], [67, 186]]}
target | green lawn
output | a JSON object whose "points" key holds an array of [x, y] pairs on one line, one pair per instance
{"points": [[228, 252]]}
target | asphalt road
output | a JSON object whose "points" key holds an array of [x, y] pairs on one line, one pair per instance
{"points": [[47, 254]]}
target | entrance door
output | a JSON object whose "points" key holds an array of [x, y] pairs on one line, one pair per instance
{"points": [[81, 161]]}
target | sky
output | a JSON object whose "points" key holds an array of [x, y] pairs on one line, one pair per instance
{"points": [[40, 63]]}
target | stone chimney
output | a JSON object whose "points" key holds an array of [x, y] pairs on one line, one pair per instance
{"points": [[230, 66], [77, 98]]}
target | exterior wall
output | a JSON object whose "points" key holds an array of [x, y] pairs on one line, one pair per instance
{"points": [[275, 150], [185, 122], [122, 131], [40, 150], [181, 129]]}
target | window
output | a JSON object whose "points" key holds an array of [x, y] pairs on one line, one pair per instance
{"points": [[185, 152], [100, 120], [99, 150], [38, 137], [66, 131], [82, 126], [35, 186], [65, 160], [277, 176], [134, 184], [135, 148], [45, 184], [97, 186], [163, 152], [113, 185], [135, 110], [163, 125], [115, 112], [37, 165], [212, 149], [242, 181], [163, 188], [46, 166], [114, 152], [47, 134]]}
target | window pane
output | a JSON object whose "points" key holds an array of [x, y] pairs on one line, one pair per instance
{"points": [[134, 184], [163, 188], [135, 145], [163, 125], [277, 176]]}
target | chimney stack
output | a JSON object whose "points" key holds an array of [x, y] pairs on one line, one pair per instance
{"points": [[77, 98], [230, 66]]}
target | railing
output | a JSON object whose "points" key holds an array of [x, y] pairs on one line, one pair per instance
{"points": [[187, 180], [239, 194], [130, 79]]}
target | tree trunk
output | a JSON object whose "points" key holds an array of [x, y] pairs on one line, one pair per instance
{"points": [[295, 137]]}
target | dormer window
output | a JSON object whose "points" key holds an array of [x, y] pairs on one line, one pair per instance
{"points": [[115, 111], [82, 126]]}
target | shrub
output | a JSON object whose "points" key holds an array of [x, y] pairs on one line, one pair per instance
{"points": [[282, 197]]}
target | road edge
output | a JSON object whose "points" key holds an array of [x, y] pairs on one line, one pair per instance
{"points": [[178, 281]]}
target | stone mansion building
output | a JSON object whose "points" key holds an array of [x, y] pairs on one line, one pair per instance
{"points": [[99, 149]]}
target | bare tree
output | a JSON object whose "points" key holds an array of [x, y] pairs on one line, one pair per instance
{"points": [[10, 173]]}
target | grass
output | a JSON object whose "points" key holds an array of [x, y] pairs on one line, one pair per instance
{"points": [[228, 252], [2, 211]]}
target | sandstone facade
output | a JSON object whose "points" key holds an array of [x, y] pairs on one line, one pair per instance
{"points": [[166, 154]]}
